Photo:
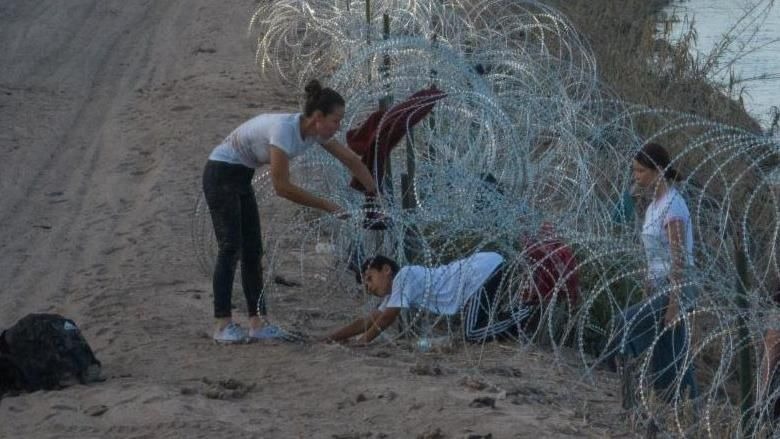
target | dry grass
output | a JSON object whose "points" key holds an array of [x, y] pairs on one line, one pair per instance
{"points": [[643, 68]]}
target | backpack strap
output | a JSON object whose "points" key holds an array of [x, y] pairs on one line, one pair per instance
{"points": [[3, 344]]}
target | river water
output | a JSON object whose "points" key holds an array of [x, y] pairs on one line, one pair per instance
{"points": [[759, 35]]}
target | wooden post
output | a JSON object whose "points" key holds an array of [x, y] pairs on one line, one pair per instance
{"points": [[746, 378], [407, 179], [384, 103], [384, 69], [368, 22], [368, 35], [408, 200]]}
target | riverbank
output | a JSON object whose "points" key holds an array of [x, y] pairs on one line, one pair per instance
{"points": [[640, 68]]}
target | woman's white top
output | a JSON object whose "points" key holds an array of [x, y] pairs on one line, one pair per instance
{"points": [[670, 207], [248, 144]]}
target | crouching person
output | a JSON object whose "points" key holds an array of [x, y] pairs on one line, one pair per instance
{"points": [[471, 286]]}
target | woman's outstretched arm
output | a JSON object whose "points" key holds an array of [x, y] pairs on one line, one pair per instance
{"points": [[280, 178], [352, 162]]}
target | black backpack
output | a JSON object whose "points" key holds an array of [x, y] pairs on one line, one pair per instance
{"points": [[45, 351]]}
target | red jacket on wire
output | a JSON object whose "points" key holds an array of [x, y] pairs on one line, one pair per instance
{"points": [[376, 137]]}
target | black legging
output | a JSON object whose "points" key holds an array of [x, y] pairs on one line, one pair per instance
{"points": [[231, 201]]}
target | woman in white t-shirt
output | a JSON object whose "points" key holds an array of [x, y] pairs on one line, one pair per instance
{"points": [[273, 140], [667, 238]]}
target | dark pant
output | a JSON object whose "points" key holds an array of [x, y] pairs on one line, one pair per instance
{"points": [[488, 314], [233, 208], [643, 324]]}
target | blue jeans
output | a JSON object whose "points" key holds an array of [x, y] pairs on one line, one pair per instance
{"points": [[640, 326]]}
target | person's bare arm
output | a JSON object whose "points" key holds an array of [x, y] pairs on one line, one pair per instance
{"points": [[370, 326], [675, 232], [357, 327], [379, 323], [280, 178], [351, 161]]}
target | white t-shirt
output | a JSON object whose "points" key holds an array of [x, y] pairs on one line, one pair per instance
{"points": [[442, 290], [670, 207], [248, 144]]}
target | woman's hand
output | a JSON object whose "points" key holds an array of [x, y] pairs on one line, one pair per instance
{"points": [[280, 178], [353, 162]]}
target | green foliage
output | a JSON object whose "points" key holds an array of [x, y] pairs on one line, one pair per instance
{"points": [[608, 284]]}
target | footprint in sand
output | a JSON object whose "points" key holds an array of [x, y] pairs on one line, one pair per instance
{"points": [[112, 250], [96, 410], [229, 389]]}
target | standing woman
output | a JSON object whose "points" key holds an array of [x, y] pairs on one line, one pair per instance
{"points": [[667, 238], [274, 140]]}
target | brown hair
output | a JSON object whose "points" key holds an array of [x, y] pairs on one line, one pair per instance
{"points": [[320, 98], [655, 156]]}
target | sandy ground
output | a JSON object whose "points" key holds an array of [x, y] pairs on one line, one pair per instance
{"points": [[108, 109]]}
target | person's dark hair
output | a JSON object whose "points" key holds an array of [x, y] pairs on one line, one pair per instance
{"points": [[379, 261], [655, 156], [320, 98]]}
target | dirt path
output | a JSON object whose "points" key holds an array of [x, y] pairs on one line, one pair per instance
{"points": [[108, 110]]}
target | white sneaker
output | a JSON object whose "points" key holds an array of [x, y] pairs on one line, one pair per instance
{"points": [[231, 334]]}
